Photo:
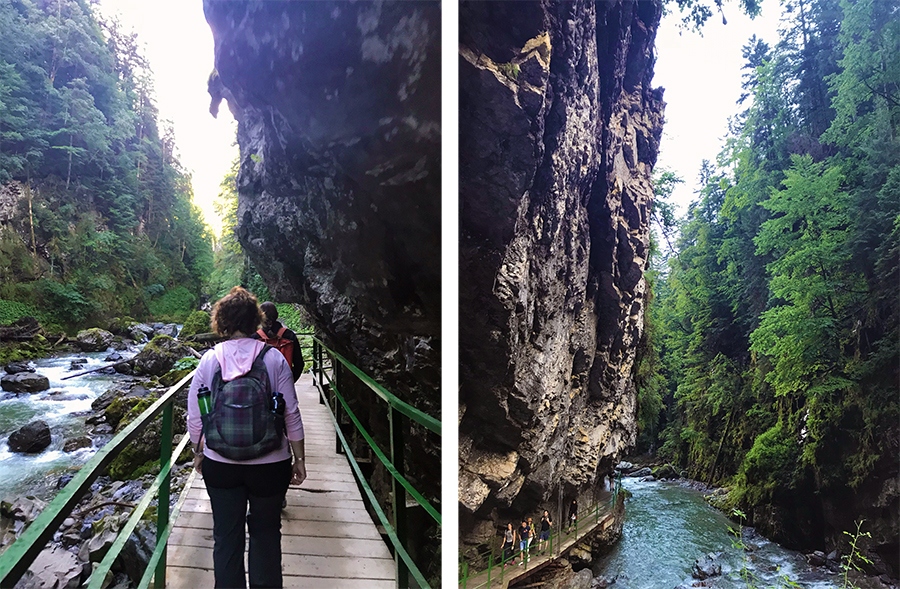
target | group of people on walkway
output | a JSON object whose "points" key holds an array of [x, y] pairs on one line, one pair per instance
{"points": [[519, 540]]}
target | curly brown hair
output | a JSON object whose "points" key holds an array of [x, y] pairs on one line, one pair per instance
{"points": [[238, 311]]}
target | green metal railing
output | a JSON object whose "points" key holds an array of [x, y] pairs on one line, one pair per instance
{"points": [[19, 556], [329, 371], [499, 560]]}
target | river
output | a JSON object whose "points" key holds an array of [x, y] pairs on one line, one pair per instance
{"points": [[37, 474], [668, 526]]}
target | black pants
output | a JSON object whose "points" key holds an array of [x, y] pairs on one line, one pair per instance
{"points": [[230, 487]]}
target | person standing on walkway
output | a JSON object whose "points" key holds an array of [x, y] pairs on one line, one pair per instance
{"points": [[523, 539], [531, 532], [573, 515], [546, 523], [281, 338], [509, 542], [243, 457]]}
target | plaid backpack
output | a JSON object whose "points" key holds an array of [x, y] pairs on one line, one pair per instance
{"points": [[242, 423]]}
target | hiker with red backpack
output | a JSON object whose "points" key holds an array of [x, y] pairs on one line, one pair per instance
{"points": [[281, 338], [244, 423]]}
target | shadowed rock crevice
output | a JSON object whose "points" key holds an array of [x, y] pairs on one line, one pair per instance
{"points": [[559, 131]]}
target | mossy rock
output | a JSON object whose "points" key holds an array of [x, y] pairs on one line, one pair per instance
{"points": [[120, 407], [173, 376], [142, 455], [121, 325], [16, 351], [134, 412], [197, 322], [159, 356]]}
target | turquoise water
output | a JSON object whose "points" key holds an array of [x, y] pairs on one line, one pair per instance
{"points": [[667, 527], [37, 474]]}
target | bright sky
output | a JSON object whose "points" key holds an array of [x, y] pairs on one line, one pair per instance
{"points": [[702, 78], [178, 44]]}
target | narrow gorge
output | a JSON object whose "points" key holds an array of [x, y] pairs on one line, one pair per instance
{"points": [[559, 132]]}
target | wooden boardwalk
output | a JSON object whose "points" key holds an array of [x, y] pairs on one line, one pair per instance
{"points": [[328, 540], [516, 572]]}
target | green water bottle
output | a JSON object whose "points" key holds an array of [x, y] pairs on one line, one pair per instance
{"points": [[203, 400]]}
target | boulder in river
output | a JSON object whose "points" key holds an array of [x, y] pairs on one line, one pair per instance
{"points": [[705, 567], [158, 356], [624, 467], [641, 472], [169, 329], [30, 439], [816, 558], [17, 367], [93, 340], [140, 332], [78, 364], [24, 382], [666, 471], [113, 357], [73, 444]]}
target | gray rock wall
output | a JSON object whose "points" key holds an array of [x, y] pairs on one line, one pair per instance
{"points": [[559, 131]]}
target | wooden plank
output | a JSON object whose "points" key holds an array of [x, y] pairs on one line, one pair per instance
{"points": [[328, 538], [293, 545], [326, 583], [184, 577], [294, 527], [297, 496], [297, 512]]}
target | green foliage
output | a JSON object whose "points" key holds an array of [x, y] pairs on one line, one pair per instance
{"points": [[174, 305], [197, 322], [853, 560], [110, 204], [12, 310], [510, 70], [777, 319], [186, 363], [769, 466]]}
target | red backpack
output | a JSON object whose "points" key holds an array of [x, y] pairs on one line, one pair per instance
{"points": [[285, 346]]}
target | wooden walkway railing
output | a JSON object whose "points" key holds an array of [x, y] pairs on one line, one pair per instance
{"points": [[328, 539]]}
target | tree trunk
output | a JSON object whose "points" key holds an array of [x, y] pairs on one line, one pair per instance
{"points": [[69, 173], [31, 217]]}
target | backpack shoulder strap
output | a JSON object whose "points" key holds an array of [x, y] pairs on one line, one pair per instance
{"points": [[262, 334], [281, 331]]}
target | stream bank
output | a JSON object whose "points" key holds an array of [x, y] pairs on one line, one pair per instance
{"points": [[90, 409], [671, 535]]}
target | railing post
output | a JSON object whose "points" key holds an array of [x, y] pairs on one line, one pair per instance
{"points": [[395, 421], [162, 509], [336, 373], [319, 369], [465, 575]]}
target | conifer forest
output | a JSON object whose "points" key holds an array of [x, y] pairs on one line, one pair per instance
{"points": [[770, 360]]}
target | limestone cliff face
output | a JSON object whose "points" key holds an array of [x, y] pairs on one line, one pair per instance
{"points": [[338, 110], [559, 131]]}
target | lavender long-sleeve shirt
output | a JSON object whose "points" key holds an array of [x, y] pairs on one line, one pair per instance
{"points": [[236, 357]]}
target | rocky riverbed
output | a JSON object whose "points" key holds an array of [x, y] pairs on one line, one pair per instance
{"points": [[674, 537], [50, 427]]}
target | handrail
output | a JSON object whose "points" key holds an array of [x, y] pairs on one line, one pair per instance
{"points": [[21, 553], [592, 510], [329, 380], [402, 406]]}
